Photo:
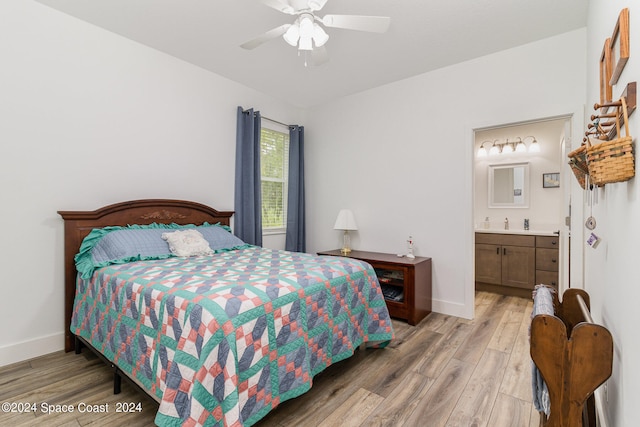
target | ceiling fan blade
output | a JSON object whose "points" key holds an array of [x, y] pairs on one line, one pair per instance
{"points": [[373, 24], [280, 5], [269, 35], [319, 55], [316, 5]]}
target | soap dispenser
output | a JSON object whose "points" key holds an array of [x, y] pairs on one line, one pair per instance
{"points": [[486, 224], [506, 223]]}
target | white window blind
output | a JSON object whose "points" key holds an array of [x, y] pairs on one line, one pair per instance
{"points": [[274, 165]]}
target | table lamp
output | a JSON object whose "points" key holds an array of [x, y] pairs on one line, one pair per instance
{"points": [[345, 222]]}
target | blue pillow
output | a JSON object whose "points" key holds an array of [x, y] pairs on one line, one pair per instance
{"points": [[117, 245], [219, 237]]}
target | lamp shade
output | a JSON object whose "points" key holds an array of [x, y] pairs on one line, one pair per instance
{"points": [[292, 35], [305, 43], [320, 37], [306, 25], [534, 147], [345, 221]]}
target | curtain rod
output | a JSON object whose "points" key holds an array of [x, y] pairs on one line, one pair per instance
{"points": [[275, 121], [270, 120]]}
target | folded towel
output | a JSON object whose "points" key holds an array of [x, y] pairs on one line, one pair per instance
{"points": [[542, 304]]}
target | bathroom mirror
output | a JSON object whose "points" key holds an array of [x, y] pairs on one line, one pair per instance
{"points": [[509, 185]]}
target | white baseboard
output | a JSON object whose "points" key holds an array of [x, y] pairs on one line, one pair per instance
{"points": [[26, 350]]}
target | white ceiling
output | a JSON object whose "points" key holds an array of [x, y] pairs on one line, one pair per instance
{"points": [[424, 35]]}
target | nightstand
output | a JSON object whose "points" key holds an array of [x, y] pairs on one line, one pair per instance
{"points": [[405, 282]]}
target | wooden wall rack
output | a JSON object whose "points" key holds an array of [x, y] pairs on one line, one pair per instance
{"points": [[574, 356]]}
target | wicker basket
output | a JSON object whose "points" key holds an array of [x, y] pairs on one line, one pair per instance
{"points": [[613, 161], [578, 164]]}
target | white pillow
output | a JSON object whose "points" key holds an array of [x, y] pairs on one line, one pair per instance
{"points": [[187, 243]]}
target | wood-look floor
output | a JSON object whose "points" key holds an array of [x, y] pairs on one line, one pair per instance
{"points": [[446, 371]]}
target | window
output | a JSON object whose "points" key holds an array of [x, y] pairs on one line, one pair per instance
{"points": [[274, 165]]}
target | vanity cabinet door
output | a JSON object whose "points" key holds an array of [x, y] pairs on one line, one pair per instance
{"points": [[518, 266], [547, 259], [489, 263], [549, 278]]}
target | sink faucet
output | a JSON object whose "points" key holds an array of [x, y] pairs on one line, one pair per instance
{"points": [[506, 223]]}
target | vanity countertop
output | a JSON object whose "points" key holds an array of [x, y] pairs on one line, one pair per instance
{"points": [[521, 231]]}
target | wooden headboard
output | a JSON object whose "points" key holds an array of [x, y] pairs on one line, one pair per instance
{"points": [[78, 224]]}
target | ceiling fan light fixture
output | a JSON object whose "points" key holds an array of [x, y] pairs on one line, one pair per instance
{"points": [[306, 25], [307, 32], [317, 4], [292, 35], [320, 36], [305, 43]]}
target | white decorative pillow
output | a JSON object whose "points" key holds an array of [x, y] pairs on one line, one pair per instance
{"points": [[187, 243]]}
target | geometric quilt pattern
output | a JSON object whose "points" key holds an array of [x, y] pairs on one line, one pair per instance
{"points": [[221, 340]]}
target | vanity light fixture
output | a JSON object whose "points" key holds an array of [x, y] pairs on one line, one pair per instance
{"points": [[517, 145], [507, 147], [495, 149], [534, 147], [482, 152], [520, 147]]}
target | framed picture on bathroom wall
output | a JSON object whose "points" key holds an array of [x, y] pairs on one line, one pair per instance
{"points": [[551, 180]]}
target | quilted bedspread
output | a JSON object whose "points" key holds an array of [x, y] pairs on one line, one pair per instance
{"points": [[223, 339]]}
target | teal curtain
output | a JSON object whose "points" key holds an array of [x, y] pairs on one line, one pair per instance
{"points": [[296, 239], [248, 199]]}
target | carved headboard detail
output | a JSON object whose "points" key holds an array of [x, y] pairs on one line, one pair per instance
{"points": [[163, 215]]}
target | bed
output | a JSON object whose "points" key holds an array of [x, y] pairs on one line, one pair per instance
{"points": [[219, 337]]}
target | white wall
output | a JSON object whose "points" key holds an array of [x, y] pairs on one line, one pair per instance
{"points": [[88, 119], [611, 272], [401, 156]]}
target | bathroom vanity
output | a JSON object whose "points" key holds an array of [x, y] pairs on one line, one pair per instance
{"points": [[513, 262]]}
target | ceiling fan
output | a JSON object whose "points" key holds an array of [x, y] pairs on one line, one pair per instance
{"points": [[307, 32]]}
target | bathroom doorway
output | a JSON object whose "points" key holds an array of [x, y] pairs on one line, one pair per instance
{"points": [[541, 146]]}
